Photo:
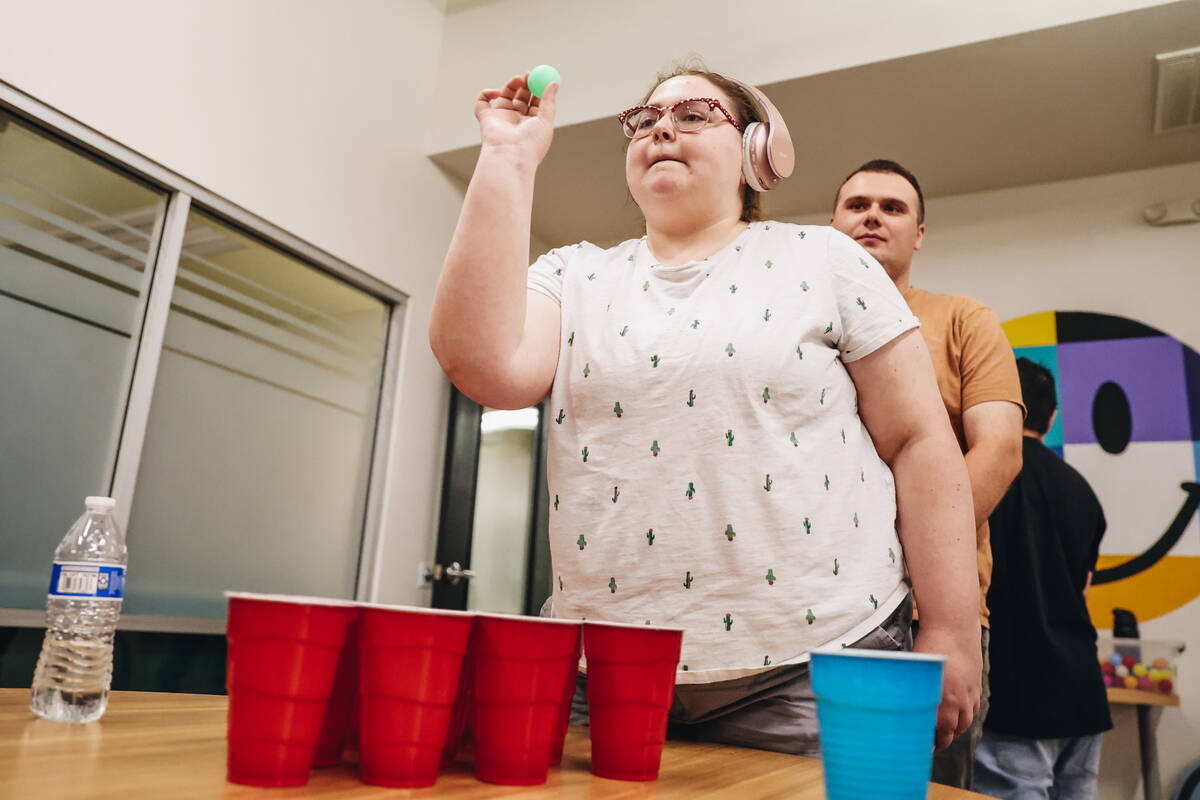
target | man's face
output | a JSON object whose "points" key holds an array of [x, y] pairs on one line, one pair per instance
{"points": [[879, 211]]}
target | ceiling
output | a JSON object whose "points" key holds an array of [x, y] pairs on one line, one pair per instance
{"points": [[1059, 103]]}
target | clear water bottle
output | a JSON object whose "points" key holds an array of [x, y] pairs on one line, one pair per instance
{"points": [[87, 583]]}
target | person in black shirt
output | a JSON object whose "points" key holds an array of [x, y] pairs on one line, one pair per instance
{"points": [[1048, 707]]}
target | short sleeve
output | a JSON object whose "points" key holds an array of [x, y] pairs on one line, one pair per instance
{"points": [[546, 274], [988, 366], [872, 311]]}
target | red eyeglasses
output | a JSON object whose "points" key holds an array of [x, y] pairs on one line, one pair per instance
{"points": [[689, 116]]}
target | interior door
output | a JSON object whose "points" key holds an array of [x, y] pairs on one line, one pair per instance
{"points": [[493, 549]]}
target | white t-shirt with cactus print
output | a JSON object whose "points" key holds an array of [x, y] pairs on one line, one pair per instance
{"points": [[707, 465]]}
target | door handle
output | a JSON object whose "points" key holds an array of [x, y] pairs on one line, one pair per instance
{"points": [[451, 574]]}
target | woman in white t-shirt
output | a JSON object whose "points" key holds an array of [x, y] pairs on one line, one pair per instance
{"points": [[748, 439]]}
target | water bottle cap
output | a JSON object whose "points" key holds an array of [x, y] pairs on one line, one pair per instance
{"points": [[104, 504]]}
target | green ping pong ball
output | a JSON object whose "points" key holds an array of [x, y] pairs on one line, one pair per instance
{"points": [[542, 76]]}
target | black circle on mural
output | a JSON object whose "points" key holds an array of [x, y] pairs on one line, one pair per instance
{"points": [[1111, 419]]}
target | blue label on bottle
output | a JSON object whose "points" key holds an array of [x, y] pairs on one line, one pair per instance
{"points": [[81, 579]]}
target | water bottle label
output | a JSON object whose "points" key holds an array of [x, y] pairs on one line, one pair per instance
{"points": [[99, 581]]}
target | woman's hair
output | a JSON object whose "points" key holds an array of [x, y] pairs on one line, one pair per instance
{"points": [[742, 110]]}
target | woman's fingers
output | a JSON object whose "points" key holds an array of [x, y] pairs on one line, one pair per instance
{"points": [[547, 105], [514, 95]]}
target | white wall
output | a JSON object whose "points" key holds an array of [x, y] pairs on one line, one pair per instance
{"points": [[304, 112], [609, 52], [1082, 245]]}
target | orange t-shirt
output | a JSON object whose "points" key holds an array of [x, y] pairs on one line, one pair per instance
{"points": [[974, 364]]}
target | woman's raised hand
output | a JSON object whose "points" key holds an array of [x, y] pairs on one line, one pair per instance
{"points": [[513, 119]]}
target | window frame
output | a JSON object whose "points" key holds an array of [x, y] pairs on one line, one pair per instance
{"points": [[182, 196]]}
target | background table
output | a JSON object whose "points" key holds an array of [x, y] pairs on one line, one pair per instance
{"points": [[173, 745], [1147, 740]]}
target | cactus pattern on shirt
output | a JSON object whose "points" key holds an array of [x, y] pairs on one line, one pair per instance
{"points": [[769, 312]]}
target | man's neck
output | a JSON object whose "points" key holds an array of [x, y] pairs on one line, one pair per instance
{"points": [[1041, 437], [900, 275]]}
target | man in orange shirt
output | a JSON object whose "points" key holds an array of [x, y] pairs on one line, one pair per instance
{"points": [[881, 207]]}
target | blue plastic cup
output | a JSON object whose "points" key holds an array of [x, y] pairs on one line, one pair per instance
{"points": [[877, 711]]}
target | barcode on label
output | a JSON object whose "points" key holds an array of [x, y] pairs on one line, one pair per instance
{"points": [[77, 582]]}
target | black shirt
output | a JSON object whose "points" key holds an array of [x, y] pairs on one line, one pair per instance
{"points": [[1045, 676]]}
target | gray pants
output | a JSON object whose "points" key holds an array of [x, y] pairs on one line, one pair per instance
{"points": [[771, 710], [1016, 768]]}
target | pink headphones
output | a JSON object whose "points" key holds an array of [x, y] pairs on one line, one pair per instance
{"points": [[767, 152]]}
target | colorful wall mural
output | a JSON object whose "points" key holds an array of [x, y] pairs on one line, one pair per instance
{"points": [[1129, 421]]}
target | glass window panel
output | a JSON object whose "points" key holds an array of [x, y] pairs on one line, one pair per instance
{"points": [[258, 447], [76, 242], [503, 509]]}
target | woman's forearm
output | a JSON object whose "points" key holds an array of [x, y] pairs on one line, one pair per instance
{"points": [[935, 521], [478, 316]]}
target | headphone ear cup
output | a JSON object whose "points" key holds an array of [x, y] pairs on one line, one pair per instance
{"points": [[755, 169]]}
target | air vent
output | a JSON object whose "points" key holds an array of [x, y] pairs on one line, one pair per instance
{"points": [[1177, 106]]}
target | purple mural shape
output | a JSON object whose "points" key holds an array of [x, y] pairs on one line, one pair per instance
{"points": [[1151, 373], [1191, 368]]}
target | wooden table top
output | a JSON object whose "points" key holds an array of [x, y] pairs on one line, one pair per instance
{"points": [[173, 745], [1138, 697]]}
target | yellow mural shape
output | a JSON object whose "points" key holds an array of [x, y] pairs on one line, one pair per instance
{"points": [[1032, 330], [1171, 583]]}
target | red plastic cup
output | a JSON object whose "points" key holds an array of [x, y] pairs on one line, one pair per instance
{"points": [[282, 658], [458, 733], [520, 665], [339, 713], [572, 680], [409, 665], [630, 686]]}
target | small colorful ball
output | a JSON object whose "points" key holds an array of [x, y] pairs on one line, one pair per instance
{"points": [[1106, 668], [1122, 671], [1114, 681], [1139, 670], [1160, 663], [1145, 684], [1156, 674], [1129, 661], [1165, 686], [542, 76], [1114, 659], [1131, 682]]}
